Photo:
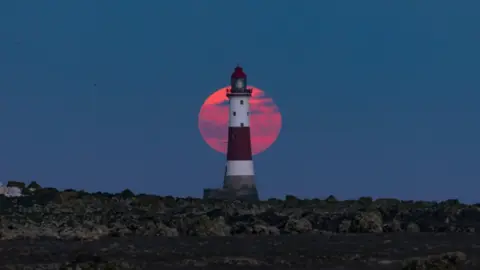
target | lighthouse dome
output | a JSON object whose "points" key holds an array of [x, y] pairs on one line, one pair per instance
{"points": [[238, 73]]}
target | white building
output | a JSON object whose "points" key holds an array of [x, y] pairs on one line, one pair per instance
{"points": [[10, 191]]}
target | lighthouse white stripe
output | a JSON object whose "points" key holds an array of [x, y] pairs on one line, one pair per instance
{"points": [[239, 110], [240, 167]]}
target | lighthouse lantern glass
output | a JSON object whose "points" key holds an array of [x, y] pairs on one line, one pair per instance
{"points": [[239, 84]]}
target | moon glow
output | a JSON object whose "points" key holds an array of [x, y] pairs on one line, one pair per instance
{"points": [[265, 121]]}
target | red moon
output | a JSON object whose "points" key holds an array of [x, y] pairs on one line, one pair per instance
{"points": [[265, 121]]}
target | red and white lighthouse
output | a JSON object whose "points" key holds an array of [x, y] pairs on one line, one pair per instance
{"points": [[239, 173], [239, 179]]}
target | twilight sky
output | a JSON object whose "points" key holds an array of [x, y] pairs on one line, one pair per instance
{"points": [[378, 98]]}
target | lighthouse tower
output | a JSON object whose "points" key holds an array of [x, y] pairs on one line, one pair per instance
{"points": [[239, 179], [239, 174]]}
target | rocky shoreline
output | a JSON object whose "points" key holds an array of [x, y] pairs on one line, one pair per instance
{"points": [[77, 216]]}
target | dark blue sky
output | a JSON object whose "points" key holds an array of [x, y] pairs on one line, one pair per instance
{"points": [[378, 98]]}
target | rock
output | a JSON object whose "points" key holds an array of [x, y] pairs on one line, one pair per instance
{"points": [[127, 194], [118, 230], [204, 226], [296, 226], [413, 227], [445, 261], [331, 199], [392, 226], [260, 229], [33, 186], [79, 215], [18, 184], [163, 230], [367, 222], [345, 226]]}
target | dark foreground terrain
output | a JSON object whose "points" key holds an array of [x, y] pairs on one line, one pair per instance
{"points": [[366, 251], [51, 229]]}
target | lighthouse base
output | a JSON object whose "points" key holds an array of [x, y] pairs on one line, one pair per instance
{"points": [[234, 188], [250, 195]]}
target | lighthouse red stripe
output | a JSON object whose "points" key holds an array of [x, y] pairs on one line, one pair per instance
{"points": [[239, 144]]}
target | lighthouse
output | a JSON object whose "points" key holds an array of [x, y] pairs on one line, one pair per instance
{"points": [[239, 173], [239, 178]]}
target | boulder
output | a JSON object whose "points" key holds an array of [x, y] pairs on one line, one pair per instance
{"points": [[367, 222]]}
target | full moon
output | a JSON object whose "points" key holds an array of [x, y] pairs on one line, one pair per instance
{"points": [[265, 121]]}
